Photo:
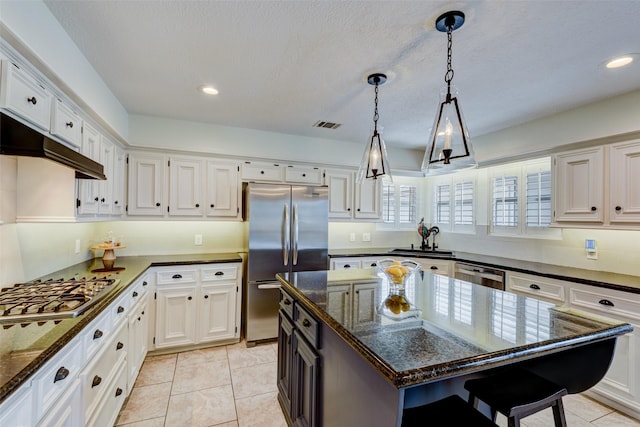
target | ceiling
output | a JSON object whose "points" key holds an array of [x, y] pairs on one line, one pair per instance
{"points": [[282, 66]]}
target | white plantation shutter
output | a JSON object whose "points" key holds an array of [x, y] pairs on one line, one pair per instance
{"points": [[399, 204], [538, 199], [442, 204], [463, 203], [408, 204], [388, 203], [505, 201]]}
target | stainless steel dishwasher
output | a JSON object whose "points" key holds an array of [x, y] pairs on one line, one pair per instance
{"points": [[480, 275]]}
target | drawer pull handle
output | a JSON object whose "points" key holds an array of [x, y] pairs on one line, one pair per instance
{"points": [[120, 309], [534, 286], [69, 124], [434, 267], [158, 204], [96, 381], [197, 205], [144, 283], [219, 273], [139, 318], [119, 346], [61, 374], [206, 296], [306, 323], [189, 298], [347, 266], [212, 205], [134, 294], [97, 334], [32, 100], [287, 302], [618, 208], [304, 174], [606, 302], [118, 391], [96, 199], [593, 209], [177, 276], [374, 264]]}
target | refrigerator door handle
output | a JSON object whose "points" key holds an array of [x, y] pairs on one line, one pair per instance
{"points": [[285, 235], [295, 234]]}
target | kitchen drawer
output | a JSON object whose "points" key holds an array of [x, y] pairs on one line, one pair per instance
{"points": [[24, 96], [175, 276], [436, 266], [286, 303], [120, 308], [17, 410], [66, 123], [96, 376], [307, 325], [262, 172], [302, 175], [219, 273], [607, 302], [538, 287], [369, 262], [57, 376], [345, 263], [107, 412], [66, 412], [97, 334]]}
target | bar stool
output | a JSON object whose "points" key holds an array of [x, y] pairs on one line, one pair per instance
{"points": [[517, 393], [447, 412]]}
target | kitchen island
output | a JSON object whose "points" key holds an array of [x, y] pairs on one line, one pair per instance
{"points": [[357, 358]]}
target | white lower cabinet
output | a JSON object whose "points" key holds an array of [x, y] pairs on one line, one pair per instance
{"points": [[138, 330], [17, 410], [197, 305], [352, 304], [67, 409]]}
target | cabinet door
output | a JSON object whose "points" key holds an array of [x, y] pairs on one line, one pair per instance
{"points": [[223, 189], [624, 187], [369, 199], [218, 312], [138, 331], [339, 303], [119, 179], [285, 361], [305, 383], [17, 410], [106, 187], [68, 410], [579, 181], [185, 187], [146, 185], [303, 175], [175, 316], [364, 303], [89, 189], [267, 172], [340, 185]]}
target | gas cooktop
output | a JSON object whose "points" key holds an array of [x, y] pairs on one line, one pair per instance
{"points": [[51, 299]]}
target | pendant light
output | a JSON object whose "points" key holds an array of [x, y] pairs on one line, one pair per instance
{"points": [[374, 162], [449, 147]]}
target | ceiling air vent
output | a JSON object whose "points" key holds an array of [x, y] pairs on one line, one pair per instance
{"points": [[328, 125]]}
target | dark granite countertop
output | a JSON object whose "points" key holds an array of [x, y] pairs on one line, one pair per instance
{"points": [[604, 279], [451, 327], [24, 348]]}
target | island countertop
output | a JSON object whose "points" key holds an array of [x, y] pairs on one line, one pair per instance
{"points": [[451, 328]]}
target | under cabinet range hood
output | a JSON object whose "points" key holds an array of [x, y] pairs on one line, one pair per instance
{"points": [[18, 139]]}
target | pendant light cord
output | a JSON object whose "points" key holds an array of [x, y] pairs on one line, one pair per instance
{"points": [[375, 111]]}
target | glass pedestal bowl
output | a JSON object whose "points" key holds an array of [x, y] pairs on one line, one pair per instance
{"points": [[398, 274]]}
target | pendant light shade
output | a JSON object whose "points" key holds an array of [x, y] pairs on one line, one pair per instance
{"points": [[374, 161], [449, 148]]}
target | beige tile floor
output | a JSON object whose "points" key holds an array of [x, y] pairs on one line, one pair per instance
{"points": [[235, 386]]}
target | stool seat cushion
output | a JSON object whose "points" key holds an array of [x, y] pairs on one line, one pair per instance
{"points": [[447, 412], [513, 389]]}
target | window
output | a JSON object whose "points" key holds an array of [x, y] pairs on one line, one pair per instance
{"points": [[505, 201], [538, 203], [400, 204], [453, 203], [521, 199]]}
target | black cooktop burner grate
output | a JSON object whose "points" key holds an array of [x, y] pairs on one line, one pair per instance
{"points": [[50, 299]]}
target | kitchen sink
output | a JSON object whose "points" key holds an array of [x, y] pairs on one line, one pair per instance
{"points": [[418, 252]]}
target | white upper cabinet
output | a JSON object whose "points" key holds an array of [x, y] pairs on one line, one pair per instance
{"points": [[106, 187], [267, 172], [579, 178], [66, 123], [303, 175], [119, 181], [146, 184], [224, 191], [186, 178], [625, 182], [23, 95], [351, 200], [89, 189]]}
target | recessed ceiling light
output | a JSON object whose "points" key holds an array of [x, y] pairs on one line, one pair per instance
{"points": [[209, 90], [620, 61]]}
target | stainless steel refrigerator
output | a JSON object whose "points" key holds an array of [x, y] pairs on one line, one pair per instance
{"points": [[288, 232]]}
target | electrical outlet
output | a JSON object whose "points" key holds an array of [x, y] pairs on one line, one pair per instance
{"points": [[197, 239], [352, 237], [366, 237], [591, 248], [77, 246]]}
